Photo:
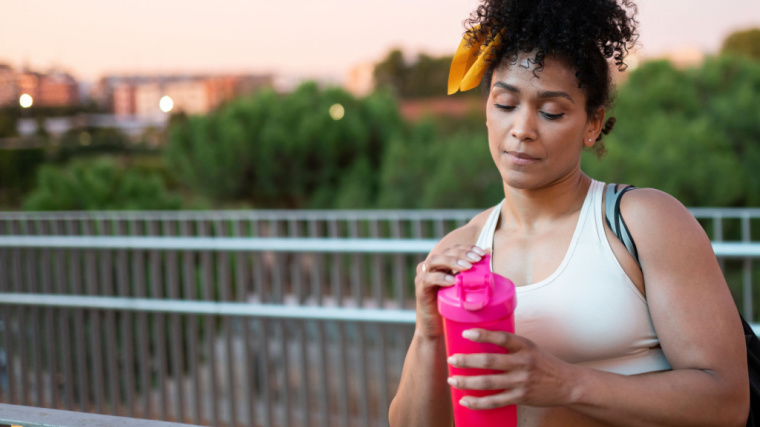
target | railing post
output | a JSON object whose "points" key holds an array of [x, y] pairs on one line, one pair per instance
{"points": [[747, 276]]}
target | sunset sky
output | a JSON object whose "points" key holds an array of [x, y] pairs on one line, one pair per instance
{"points": [[306, 38]]}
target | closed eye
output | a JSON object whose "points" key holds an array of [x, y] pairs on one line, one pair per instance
{"points": [[548, 116], [553, 116]]}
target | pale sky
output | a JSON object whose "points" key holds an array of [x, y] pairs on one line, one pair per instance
{"points": [[306, 38]]}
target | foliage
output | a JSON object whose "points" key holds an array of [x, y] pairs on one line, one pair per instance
{"points": [[8, 118], [286, 151], [745, 43], [425, 77], [433, 172], [98, 184], [693, 133], [91, 142], [17, 171]]}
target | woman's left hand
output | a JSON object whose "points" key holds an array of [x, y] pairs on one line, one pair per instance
{"points": [[531, 375]]}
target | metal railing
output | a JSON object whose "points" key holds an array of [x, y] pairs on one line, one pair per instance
{"points": [[720, 223], [231, 318]]}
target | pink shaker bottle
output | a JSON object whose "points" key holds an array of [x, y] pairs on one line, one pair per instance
{"points": [[480, 299]]}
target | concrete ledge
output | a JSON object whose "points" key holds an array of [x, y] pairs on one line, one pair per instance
{"points": [[27, 416]]}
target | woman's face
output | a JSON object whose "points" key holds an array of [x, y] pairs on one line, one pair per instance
{"points": [[537, 126]]}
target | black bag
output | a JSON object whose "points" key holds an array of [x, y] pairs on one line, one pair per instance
{"points": [[753, 367]]}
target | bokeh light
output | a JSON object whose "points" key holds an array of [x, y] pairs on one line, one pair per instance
{"points": [[25, 100], [337, 111], [166, 104]]}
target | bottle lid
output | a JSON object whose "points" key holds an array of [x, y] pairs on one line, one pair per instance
{"points": [[478, 295]]}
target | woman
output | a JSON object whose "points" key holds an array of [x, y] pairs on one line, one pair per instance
{"points": [[599, 339]]}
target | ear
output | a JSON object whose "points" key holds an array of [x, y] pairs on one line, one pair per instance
{"points": [[594, 127]]}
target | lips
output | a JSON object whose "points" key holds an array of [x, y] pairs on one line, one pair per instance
{"points": [[521, 159], [521, 155]]}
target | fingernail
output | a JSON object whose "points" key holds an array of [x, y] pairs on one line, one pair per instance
{"points": [[464, 263], [452, 381], [470, 334], [478, 251], [451, 360], [449, 278], [473, 256], [465, 403]]}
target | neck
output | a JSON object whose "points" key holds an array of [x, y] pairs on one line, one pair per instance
{"points": [[532, 208]]}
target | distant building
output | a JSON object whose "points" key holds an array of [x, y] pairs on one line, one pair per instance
{"points": [[416, 109], [147, 98], [124, 103], [56, 89], [140, 95], [8, 88], [189, 96], [686, 57], [28, 83], [361, 79]]}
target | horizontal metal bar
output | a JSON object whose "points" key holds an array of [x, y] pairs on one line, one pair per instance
{"points": [[213, 308], [28, 416], [252, 244], [736, 249], [220, 308], [246, 215], [706, 212]]}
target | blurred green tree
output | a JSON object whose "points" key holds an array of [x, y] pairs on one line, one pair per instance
{"points": [[425, 77], [390, 73], [746, 42], [18, 168], [430, 171], [98, 184], [291, 151], [693, 133]]}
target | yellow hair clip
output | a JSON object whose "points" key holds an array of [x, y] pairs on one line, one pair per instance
{"points": [[469, 63]]}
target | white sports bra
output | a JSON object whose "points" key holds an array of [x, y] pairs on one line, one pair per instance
{"points": [[588, 311]]}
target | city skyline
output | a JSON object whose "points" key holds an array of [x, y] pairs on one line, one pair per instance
{"points": [[324, 39]]}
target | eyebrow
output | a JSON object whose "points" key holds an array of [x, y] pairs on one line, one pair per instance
{"points": [[541, 94]]}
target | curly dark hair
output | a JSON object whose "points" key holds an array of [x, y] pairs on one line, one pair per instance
{"points": [[582, 33]]}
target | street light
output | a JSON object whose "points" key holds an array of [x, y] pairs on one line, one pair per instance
{"points": [[166, 104], [25, 100]]}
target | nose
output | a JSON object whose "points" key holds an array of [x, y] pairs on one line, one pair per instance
{"points": [[524, 125]]}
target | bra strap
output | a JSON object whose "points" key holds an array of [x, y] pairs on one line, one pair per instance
{"points": [[615, 220]]}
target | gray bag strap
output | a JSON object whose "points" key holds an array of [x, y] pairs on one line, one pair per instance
{"points": [[614, 218]]}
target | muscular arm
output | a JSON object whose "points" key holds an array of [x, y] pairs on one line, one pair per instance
{"points": [[696, 322], [423, 398]]}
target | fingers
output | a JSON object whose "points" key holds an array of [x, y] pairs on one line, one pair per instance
{"points": [[481, 382], [512, 385], [454, 259], [509, 397], [503, 339], [435, 272]]}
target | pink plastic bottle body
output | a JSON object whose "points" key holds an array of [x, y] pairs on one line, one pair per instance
{"points": [[505, 416], [496, 314]]}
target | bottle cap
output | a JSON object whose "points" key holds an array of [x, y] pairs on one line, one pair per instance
{"points": [[478, 295]]}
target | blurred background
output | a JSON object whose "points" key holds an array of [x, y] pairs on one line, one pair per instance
{"points": [[132, 131], [184, 105]]}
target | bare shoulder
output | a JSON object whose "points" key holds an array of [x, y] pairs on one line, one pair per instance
{"points": [[667, 234], [681, 272], [654, 213], [466, 234]]}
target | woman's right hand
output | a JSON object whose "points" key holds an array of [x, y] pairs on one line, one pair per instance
{"points": [[438, 271]]}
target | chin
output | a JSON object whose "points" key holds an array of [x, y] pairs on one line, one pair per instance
{"points": [[520, 182]]}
